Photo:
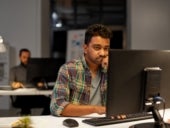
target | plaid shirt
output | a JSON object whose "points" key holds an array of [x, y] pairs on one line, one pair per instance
{"points": [[73, 86]]}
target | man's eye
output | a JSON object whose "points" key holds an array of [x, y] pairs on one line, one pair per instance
{"points": [[106, 49], [97, 48]]}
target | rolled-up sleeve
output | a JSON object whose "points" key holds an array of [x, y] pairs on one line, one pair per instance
{"points": [[60, 94]]}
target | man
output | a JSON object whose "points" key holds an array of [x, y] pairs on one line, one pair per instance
{"points": [[18, 73], [81, 84], [18, 79]]}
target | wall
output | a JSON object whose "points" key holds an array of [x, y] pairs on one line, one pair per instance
{"points": [[24, 23], [148, 25]]}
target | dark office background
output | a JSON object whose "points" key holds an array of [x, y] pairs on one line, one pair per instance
{"points": [[146, 26], [78, 14]]}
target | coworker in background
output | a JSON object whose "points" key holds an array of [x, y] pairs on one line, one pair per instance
{"points": [[81, 84], [19, 72], [18, 79]]}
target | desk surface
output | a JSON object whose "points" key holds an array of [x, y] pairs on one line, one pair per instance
{"points": [[56, 122], [25, 91]]}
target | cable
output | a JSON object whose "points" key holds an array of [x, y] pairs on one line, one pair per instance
{"points": [[158, 98]]}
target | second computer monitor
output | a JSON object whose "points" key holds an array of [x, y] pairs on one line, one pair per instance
{"points": [[43, 69]]}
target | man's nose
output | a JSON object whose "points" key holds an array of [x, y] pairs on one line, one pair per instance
{"points": [[103, 52]]}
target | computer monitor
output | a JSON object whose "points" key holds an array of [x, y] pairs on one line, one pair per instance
{"points": [[43, 70], [127, 90]]}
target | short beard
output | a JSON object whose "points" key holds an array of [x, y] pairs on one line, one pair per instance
{"points": [[25, 65]]}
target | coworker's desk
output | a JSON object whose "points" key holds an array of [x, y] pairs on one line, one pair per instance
{"points": [[20, 91], [56, 122], [25, 91]]}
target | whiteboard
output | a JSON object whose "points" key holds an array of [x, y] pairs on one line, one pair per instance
{"points": [[75, 41]]}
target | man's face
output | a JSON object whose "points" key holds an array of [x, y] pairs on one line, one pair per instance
{"points": [[97, 50], [24, 57]]}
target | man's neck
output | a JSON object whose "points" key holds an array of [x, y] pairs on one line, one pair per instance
{"points": [[93, 69], [22, 64]]}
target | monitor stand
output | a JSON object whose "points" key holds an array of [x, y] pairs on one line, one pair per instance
{"points": [[159, 123]]}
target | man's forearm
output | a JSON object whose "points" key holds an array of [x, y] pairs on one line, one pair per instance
{"points": [[16, 85], [80, 110]]}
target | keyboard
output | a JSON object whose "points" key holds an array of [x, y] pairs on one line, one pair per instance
{"points": [[117, 119]]}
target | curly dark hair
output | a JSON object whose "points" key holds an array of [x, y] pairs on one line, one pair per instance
{"points": [[97, 30]]}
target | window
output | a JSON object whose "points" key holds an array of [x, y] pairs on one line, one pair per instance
{"points": [[78, 14]]}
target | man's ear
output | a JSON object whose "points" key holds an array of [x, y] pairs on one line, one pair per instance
{"points": [[85, 48]]}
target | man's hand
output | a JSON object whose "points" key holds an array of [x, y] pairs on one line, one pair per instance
{"points": [[40, 84], [16, 85], [100, 109], [105, 62]]}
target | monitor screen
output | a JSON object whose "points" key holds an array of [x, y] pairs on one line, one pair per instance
{"points": [[43, 69], [126, 87]]}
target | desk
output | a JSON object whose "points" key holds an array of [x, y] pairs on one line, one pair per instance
{"points": [[25, 91], [56, 122], [20, 91]]}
